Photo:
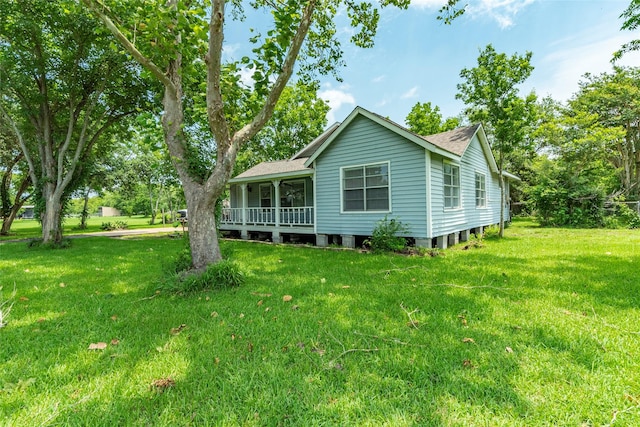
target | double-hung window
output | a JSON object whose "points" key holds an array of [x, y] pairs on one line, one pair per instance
{"points": [[481, 191], [451, 186], [365, 188]]}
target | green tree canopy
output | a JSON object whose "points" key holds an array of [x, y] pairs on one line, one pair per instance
{"points": [[299, 117], [613, 100], [631, 17], [491, 92], [424, 119], [64, 91]]}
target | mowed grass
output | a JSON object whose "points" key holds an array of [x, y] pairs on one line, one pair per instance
{"points": [[539, 328], [31, 229]]}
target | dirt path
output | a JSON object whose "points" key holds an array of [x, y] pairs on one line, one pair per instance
{"points": [[114, 233]]}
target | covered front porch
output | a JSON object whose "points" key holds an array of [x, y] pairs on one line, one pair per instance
{"points": [[275, 207]]}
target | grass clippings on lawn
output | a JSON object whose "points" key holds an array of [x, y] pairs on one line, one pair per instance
{"points": [[539, 328]]}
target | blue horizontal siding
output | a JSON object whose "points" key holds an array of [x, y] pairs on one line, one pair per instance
{"points": [[446, 221], [366, 142]]}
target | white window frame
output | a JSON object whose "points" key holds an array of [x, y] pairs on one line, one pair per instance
{"points": [[260, 199], [453, 186], [365, 210], [304, 192], [481, 192]]}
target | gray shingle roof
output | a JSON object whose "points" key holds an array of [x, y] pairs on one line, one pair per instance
{"points": [[454, 141], [275, 168]]}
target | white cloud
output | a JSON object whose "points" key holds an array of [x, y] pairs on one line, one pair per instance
{"points": [[502, 11], [246, 76], [378, 79], [432, 4], [411, 93], [230, 50], [336, 98]]}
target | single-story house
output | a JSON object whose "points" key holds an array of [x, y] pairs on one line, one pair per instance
{"points": [[27, 212], [335, 190]]}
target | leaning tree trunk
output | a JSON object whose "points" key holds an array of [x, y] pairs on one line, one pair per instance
{"points": [[7, 221], [10, 211]]}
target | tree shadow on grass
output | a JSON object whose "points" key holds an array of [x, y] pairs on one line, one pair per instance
{"points": [[366, 339]]}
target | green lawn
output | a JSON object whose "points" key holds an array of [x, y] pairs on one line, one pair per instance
{"points": [[30, 228], [540, 328]]}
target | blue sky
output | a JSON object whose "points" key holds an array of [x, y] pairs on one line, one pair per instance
{"points": [[417, 58]]}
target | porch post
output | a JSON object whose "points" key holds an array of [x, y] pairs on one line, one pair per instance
{"points": [[275, 236], [243, 209], [244, 203]]}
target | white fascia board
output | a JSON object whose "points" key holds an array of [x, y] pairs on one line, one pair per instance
{"points": [[511, 176], [258, 178], [486, 148]]}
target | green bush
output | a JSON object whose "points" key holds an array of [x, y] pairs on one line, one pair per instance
{"points": [[116, 225], [386, 236], [491, 232], [221, 275], [626, 216]]}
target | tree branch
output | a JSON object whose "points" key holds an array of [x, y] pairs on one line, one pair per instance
{"points": [[124, 41], [248, 131], [227, 151], [215, 105], [21, 143]]}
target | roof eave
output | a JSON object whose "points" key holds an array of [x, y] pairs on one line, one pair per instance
{"points": [[257, 178], [484, 143], [511, 176], [324, 134]]}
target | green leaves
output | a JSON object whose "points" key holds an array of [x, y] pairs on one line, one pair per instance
{"points": [[426, 120], [631, 17], [492, 95]]}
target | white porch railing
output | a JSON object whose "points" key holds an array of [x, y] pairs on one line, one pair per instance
{"points": [[296, 216], [288, 217]]}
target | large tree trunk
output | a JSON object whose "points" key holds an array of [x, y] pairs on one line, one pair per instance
{"points": [[203, 233], [202, 192], [52, 218]]}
